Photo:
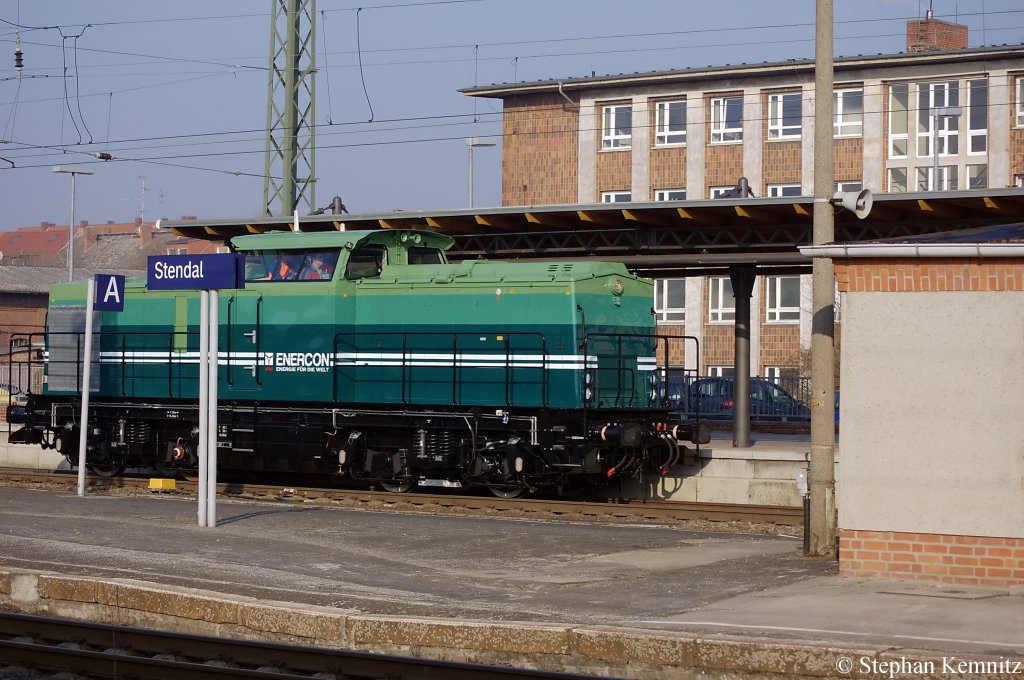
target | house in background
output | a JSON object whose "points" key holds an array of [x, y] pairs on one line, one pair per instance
{"points": [[938, 117]]}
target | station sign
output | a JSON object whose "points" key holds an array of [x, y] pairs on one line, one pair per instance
{"points": [[109, 293], [195, 272]]}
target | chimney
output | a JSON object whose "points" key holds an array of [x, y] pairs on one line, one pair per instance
{"points": [[145, 233], [932, 35]]}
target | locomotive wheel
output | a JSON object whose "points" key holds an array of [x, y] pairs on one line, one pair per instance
{"points": [[507, 491], [107, 468], [396, 487]]}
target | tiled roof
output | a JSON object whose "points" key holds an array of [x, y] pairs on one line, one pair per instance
{"points": [[39, 279]]}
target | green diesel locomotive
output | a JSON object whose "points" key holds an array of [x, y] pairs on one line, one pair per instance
{"points": [[368, 354]]}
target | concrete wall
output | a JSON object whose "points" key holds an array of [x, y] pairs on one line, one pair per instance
{"points": [[933, 391]]}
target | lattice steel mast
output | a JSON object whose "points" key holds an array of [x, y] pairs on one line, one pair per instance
{"points": [[290, 170]]}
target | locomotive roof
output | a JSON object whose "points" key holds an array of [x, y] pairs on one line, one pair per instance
{"points": [[289, 240]]}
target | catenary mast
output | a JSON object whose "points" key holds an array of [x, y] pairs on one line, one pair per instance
{"points": [[290, 171]]}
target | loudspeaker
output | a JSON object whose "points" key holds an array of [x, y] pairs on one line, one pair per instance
{"points": [[857, 202]]}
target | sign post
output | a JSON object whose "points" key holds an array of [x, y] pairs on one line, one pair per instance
{"points": [[205, 273], [107, 296]]}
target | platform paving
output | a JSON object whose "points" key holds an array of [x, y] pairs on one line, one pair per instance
{"points": [[422, 579]]}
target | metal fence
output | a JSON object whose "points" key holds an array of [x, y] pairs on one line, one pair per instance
{"points": [[778, 399]]}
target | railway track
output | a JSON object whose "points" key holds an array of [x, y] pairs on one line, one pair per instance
{"points": [[609, 510], [93, 650]]}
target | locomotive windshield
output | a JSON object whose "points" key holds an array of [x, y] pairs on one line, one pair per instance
{"points": [[290, 265]]}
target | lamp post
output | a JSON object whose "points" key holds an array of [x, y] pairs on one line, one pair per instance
{"points": [[475, 143], [939, 112], [68, 170]]}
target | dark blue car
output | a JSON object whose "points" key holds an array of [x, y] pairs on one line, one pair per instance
{"points": [[714, 399]]}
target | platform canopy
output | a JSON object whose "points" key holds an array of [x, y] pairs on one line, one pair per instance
{"points": [[671, 238]]}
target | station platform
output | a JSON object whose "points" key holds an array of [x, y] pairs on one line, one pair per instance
{"points": [[633, 601]]}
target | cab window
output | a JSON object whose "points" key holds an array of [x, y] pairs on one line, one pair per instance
{"points": [[421, 255], [366, 262], [290, 265]]}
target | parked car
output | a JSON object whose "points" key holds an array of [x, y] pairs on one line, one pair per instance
{"points": [[714, 398]]}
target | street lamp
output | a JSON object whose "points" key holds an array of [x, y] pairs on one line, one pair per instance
{"points": [[475, 143], [937, 113], [68, 170]]}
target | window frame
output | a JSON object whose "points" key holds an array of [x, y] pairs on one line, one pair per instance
{"points": [[616, 196], [973, 133], [1020, 101], [890, 180], [718, 312], [611, 137], [842, 126], [663, 195], [664, 135], [784, 190], [720, 133], [948, 126], [774, 311], [895, 89], [777, 127], [721, 371], [949, 181], [849, 185], [717, 192], [972, 169], [663, 313]]}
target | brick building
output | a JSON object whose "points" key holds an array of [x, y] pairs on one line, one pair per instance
{"points": [[691, 133]]}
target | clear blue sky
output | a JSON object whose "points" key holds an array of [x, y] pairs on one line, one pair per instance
{"points": [[185, 83]]}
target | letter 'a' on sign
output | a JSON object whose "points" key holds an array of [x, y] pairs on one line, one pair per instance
{"points": [[109, 293]]}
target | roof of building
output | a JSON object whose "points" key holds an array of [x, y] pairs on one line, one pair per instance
{"points": [[1006, 240], [39, 279], [790, 66]]}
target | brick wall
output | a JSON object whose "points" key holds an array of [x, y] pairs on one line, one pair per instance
{"points": [[985, 561], [614, 173], [21, 313], [676, 349], [848, 157], [668, 171], [539, 165], [894, 275], [780, 343], [723, 163]]}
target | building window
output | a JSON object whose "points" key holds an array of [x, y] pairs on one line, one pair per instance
{"points": [[177, 251], [223, 249], [931, 96], [670, 195], [721, 303], [977, 117], [977, 176], [670, 300], [778, 190], [785, 112], [897, 180], [848, 106], [721, 371], [899, 106], [1020, 101], [947, 179], [727, 119], [670, 123], [783, 298], [718, 192], [850, 185], [616, 197], [617, 127], [777, 373], [1018, 181]]}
